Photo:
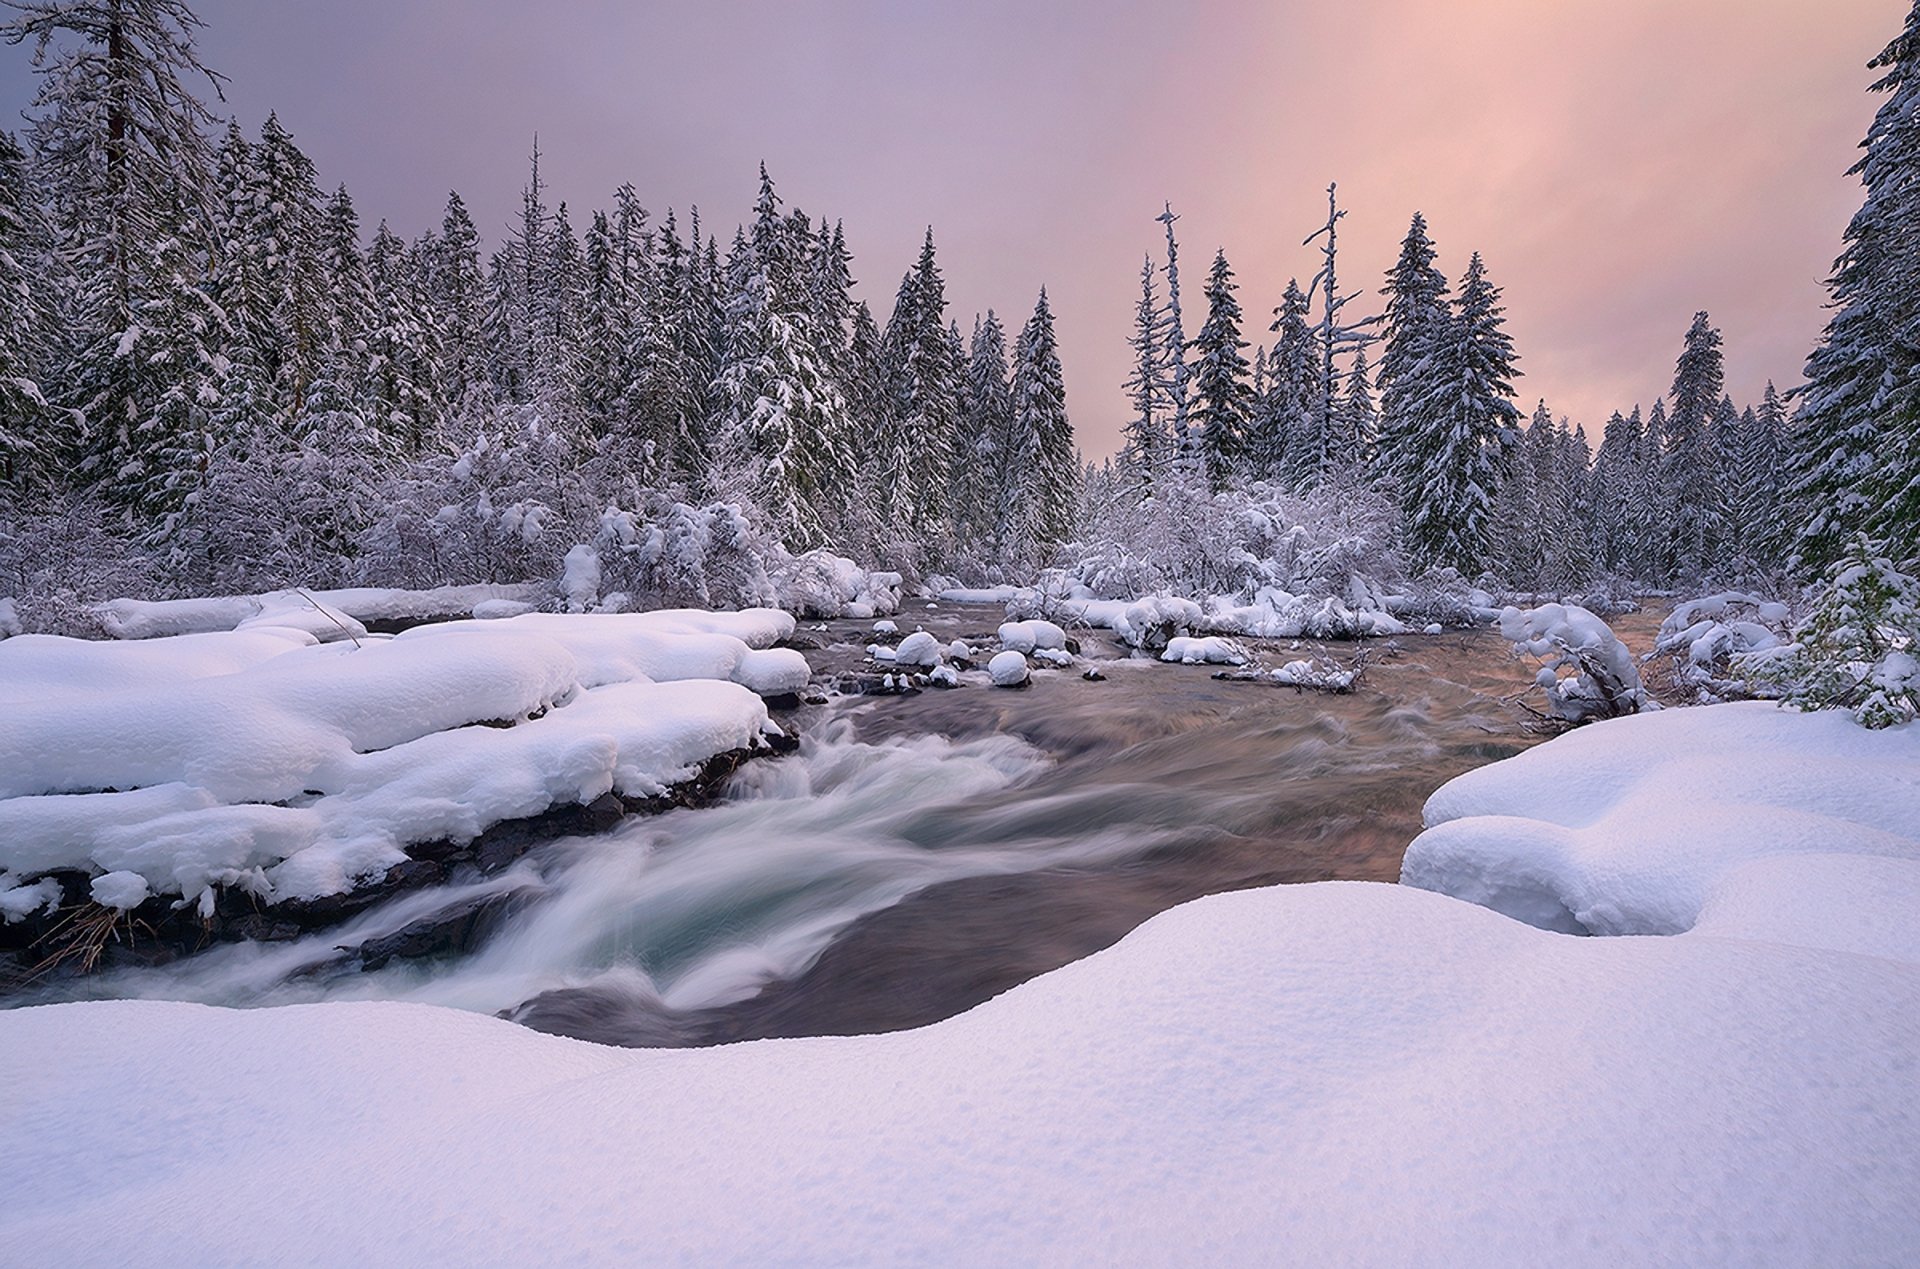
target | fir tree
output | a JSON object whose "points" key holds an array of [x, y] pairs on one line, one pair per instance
{"points": [[989, 428], [1038, 515], [459, 293], [1288, 446]]}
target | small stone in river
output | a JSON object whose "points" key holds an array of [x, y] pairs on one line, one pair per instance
{"points": [[1008, 669]]}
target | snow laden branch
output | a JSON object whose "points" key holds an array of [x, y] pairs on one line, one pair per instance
{"points": [[1585, 671]]}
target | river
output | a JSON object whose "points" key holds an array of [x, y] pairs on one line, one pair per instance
{"points": [[921, 853]]}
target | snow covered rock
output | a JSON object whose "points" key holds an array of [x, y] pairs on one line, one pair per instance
{"points": [[326, 614], [1025, 636], [1008, 669], [1208, 650], [918, 649], [1632, 826]]}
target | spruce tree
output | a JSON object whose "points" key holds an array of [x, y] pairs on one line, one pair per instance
{"points": [[1290, 446], [1040, 509], [459, 292], [989, 427]]}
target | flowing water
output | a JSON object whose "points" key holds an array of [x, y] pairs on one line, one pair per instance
{"points": [[921, 853]]}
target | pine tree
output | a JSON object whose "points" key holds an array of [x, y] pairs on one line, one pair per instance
{"points": [[285, 233], [401, 374], [1288, 446], [1038, 515], [1417, 319], [784, 429], [1223, 396], [1149, 441], [989, 424], [1462, 435], [1328, 453], [1855, 442], [350, 302], [27, 450], [117, 133], [926, 397], [1177, 373], [1692, 461], [459, 294], [1612, 476], [1357, 431], [1756, 489]]}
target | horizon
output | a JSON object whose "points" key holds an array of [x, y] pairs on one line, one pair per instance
{"points": [[1604, 240]]}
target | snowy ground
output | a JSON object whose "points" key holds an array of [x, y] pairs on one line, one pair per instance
{"points": [[1327, 1073]]}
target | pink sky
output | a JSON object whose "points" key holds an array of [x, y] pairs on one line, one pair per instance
{"points": [[1620, 163]]}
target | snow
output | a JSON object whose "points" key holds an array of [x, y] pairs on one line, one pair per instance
{"points": [[1335, 1073], [1315, 674], [1211, 650], [1635, 826], [885, 628], [1603, 679], [321, 612], [122, 890], [1008, 669], [580, 578], [9, 618], [918, 649], [1025, 636], [262, 759]]}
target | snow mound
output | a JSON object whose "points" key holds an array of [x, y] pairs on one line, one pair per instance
{"points": [[1026, 636], [1636, 825], [918, 649], [1008, 669], [1343, 1073], [259, 758], [1210, 650]]}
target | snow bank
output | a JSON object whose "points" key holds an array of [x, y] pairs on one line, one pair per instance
{"points": [[258, 758], [1151, 621], [1703, 638], [1333, 1074], [1634, 826]]}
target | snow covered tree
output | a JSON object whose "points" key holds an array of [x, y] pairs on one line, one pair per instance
{"points": [[1178, 373], [989, 428], [783, 432], [402, 374], [1038, 513], [1755, 490], [1357, 419], [1417, 319], [1223, 395], [28, 450], [1692, 459], [1286, 446], [926, 399], [458, 289], [1461, 436], [1148, 440], [1859, 649], [284, 231], [1327, 452], [1855, 442], [117, 135]]}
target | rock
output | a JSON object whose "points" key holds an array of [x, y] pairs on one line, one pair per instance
{"points": [[1094, 676], [461, 928], [415, 873], [919, 649]]}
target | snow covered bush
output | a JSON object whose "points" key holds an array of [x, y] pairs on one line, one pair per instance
{"points": [[1704, 639], [1585, 671], [1858, 650]]}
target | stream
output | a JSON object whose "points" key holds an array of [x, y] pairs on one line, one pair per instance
{"points": [[920, 853]]}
